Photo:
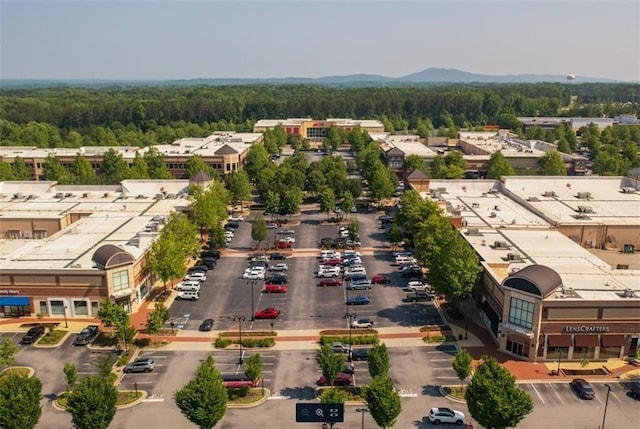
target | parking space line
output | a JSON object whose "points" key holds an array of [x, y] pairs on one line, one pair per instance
{"points": [[537, 393], [556, 392]]}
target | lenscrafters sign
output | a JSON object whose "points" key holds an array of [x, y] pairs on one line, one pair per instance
{"points": [[584, 329]]}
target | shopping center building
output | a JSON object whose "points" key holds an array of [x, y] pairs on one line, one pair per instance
{"points": [[63, 249], [316, 130], [560, 271]]}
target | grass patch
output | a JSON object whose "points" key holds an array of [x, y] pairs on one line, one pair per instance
{"points": [[23, 372], [455, 391], [105, 339], [439, 339], [355, 339], [52, 337], [240, 396], [124, 397]]}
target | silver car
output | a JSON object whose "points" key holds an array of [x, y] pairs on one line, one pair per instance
{"points": [[140, 365]]}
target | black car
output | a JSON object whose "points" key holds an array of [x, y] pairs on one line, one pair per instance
{"points": [[32, 335], [412, 273], [634, 390], [355, 276], [278, 256], [277, 279], [583, 388], [87, 335], [199, 267], [232, 225], [211, 253], [359, 354], [206, 325]]}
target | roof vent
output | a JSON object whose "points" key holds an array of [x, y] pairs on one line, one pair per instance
{"points": [[513, 257], [493, 214], [583, 195], [585, 209], [581, 216], [629, 293], [85, 195], [500, 245], [75, 266], [628, 190], [549, 194], [105, 195], [473, 231], [59, 195]]}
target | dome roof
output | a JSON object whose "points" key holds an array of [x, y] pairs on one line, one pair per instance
{"points": [[534, 279], [109, 256]]}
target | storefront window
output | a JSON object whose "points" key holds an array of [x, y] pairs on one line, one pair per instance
{"points": [[583, 352], [120, 280], [521, 313], [80, 308], [557, 352], [43, 308], [94, 307], [57, 307], [609, 352]]}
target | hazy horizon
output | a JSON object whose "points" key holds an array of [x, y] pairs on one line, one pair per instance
{"points": [[166, 40]]}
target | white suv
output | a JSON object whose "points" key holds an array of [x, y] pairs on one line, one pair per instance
{"points": [[190, 285], [327, 272], [188, 295]]}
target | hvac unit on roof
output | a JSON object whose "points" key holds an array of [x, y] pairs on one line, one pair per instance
{"points": [[513, 257], [493, 214], [583, 195], [85, 194], [17, 195], [585, 209], [105, 195], [500, 245], [68, 194], [474, 231], [629, 293], [59, 195], [549, 194], [628, 190]]}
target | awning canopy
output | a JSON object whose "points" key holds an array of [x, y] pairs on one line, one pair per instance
{"points": [[560, 341], [14, 300], [613, 341], [122, 293], [587, 341]]}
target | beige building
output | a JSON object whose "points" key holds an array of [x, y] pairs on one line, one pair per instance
{"points": [[559, 281], [316, 130]]}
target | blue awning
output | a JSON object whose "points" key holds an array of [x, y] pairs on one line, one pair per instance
{"points": [[14, 300]]}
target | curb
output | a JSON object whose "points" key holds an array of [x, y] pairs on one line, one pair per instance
{"points": [[52, 346], [265, 397], [31, 370], [143, 396], [452, 398]]}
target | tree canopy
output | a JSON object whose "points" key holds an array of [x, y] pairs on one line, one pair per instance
{"points": [[498, 166], [20, 397], [92, 403]]}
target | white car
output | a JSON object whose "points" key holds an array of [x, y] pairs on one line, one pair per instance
{"points": [[197, 276], [279, 267], [418, 286], [253, 275], [236, 218], [288, 240], [362, 323], [191, 285], [328, 272], [446, 415]]}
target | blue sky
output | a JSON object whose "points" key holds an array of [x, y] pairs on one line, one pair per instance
{"points": [[304, 38]]}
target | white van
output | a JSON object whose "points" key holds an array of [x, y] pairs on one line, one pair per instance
{"points": [[190, 286], [188, 295]]}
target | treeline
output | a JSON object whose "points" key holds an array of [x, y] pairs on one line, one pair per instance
{"points": [[141, 116]]}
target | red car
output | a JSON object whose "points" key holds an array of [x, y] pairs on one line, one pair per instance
{"points": [[267, 313], [380, 279], [284, 245], [341, 380], [330, 282], [332, 261], [271, 288]]}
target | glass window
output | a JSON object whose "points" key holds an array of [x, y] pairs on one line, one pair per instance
{"points": [[609, 352], [43, 308], [57, 307], [80, 308], [120, 280], [94, 307], [521, 313]]}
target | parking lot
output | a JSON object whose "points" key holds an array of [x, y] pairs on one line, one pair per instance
{"points": [[305, 305]]}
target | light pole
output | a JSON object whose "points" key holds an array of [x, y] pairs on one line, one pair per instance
{"points": [[66, 324], [350, 317], [240, 319], [466, 327], [362, 411], [559, 359], [253, 283], [606, 403]]}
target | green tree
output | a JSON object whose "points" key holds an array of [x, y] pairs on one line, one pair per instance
{"points": [[217, 236], [291, 201], [20, 169], [257, 158], [196, 164], [462, 365], [20, 398], [259, 229], [8, 352], [165, 259], [383, 401], [104, 363], [493, 398], [52, 169], [272, 203], [239, 186], [348, 202], [456, 164], [330, 363], [414, 162], [378, 360], [6, 172], [382, 182], [92, 403], [551, 164], [156, 164], [253, 367], [332, 396], [113, 168], [82, 172], [327, 200], [498, 166], [203, 400], [209, 206], [139, 169], [70, 374], [109, 312], [156, 319]]}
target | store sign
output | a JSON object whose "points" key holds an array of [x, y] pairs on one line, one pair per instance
{"points": [[584, 329], [9, 292]]}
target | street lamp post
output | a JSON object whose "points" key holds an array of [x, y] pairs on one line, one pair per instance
{"points": [[253, 283], [559, 359], [240, 319], [350, 317], [606, 403], [362, 411], [466, 327], [66, 324]]}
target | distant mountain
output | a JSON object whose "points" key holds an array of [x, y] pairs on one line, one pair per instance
{"points": [[427, 76]]}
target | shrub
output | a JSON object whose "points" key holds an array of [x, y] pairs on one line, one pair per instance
{"points": [[222, 343], [122, 360], [234, 334], [355, 339], [142, 342], [267, 342]]}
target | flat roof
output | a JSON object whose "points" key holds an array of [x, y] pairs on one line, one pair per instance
{"points": [[508, 234], [129, 216], [491, 142]]}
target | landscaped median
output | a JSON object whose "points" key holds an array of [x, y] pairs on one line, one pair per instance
{"points": [[250, 340], [437, 334], [361, 336]]}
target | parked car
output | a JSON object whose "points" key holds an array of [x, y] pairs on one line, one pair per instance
{"points": [[418, 286], [271, 288], [355, 276], [328, 272], [286, 232], [206, 325], [362, 323], [233, 225], [272, 226], [583, 388], [359, 285], [358, 300], [413, 273], [446, 415], [277, 278], [33, 334], [380, 279], [140, 365], [342, 379], [340, 348], [330, 282], [258, 257], [279, 267], [278, 256], [87, 335], [213, 253], [359, 354], [209, 262], [188, 295], [236, 218], [332, 262], [634, 390], [284, 244], [189, 285], [418, 297], [198, 276], [267, 313], [353, 243], [253, 275]]}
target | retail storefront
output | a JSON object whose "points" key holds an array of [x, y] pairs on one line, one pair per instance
{"points": [[14, 306]]}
